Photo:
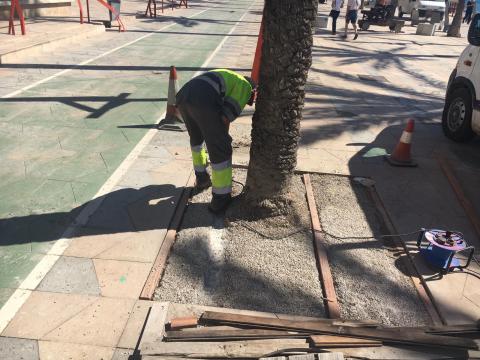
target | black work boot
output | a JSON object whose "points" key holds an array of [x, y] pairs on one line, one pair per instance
{"points": [[202, 181], [219, 203]]}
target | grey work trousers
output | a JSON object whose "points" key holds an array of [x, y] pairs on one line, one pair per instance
{"points": [[200, 107]]}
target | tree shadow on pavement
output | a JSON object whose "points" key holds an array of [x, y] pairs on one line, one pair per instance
{"points": [[122, 210], [110, 102]]}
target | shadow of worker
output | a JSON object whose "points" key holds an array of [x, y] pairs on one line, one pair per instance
{"points": [[123, 210]]}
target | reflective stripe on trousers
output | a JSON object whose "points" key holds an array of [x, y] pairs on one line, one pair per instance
{"points": [[222, 177], [199, 158]]}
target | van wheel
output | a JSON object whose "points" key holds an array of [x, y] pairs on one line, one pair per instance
{"points": [[457, 116]]}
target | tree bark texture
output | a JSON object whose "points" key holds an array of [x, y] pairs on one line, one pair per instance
{"points": [[454, 29], [286, 59]]}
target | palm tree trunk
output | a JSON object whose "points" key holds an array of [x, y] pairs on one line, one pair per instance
{"points": [[286, 59], [454, 29]]}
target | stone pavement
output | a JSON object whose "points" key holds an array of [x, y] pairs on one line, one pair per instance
{"points": [[74, 290]]}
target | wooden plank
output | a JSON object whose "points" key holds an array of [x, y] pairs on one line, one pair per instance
{"points": [[206, 334], [462, 199], [422, 289], [385, 335], [445, 329], [322, 341], [158, 267], [403, 352], [182, 323], [330, 297], [182, 310], [252, 349]]}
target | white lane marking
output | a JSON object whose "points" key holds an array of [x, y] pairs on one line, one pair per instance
{"points": [[217, 49], [28, 87], [12, 306], [18, 298]]}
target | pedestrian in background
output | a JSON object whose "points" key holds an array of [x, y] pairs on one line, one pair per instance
{"points": [[351, 16], [468, 12], [334, 13]]}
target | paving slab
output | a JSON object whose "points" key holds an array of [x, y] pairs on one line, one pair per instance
{"points": [[43, 312], [121, 279], [71, 275], [51, 350], [99, 324], [14, 348], [128, 246]]}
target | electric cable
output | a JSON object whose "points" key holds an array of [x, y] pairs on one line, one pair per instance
{"points": [[303, 229]]}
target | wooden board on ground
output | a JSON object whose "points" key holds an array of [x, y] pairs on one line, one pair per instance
{"points": [[183, 310], [331, 302], [224, 349], [160, 262], [445, 329], [385, 335], [324, 341], [183, 323], [207, 334]]}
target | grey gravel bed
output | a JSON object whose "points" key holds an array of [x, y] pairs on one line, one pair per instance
{"points": [[239, 268], [368, 279]]}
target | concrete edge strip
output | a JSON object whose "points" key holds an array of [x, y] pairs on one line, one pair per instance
{"points": [[330, 297], [158, 266], [160, 262], [20, 296], [421, 286]]}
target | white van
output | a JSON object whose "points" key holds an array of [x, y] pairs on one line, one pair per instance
{"points": [[461, 113], [421, 8]]}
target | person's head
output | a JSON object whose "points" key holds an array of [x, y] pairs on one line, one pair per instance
{"points": [[253, 95]]}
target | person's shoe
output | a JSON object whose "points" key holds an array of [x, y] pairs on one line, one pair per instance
{"points": [[334, 33], [219, 203], [355, 37], [202, 181]]}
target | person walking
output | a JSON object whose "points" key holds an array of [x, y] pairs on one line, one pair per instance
{"points": [[351, 16], [334, 13], [468, 12], [208, 104]]}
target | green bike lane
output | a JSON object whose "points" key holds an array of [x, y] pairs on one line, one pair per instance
{"points": [[62, 139]]}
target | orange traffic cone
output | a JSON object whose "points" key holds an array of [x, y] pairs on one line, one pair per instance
{"points": [[173, 120], [401, 154]]}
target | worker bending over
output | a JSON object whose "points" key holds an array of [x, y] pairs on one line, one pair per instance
{"points": [[208, 104]]}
